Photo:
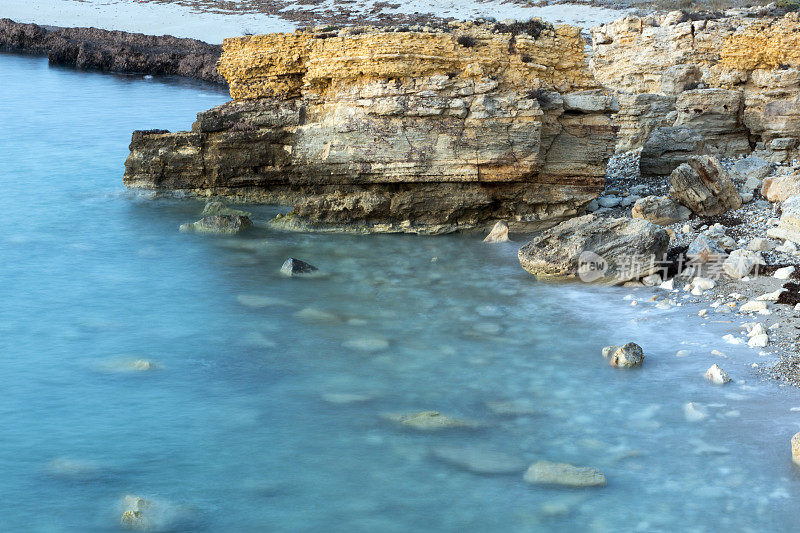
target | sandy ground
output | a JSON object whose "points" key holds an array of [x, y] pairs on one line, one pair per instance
{"points": [[213, 20]]}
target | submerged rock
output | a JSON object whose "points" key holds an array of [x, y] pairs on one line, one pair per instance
{"points": [[219, 224], [592, 248], [367, 344], [627, 356], [135, 517], [479, 460], [499, 233], [567, 475], [296, 267], [215, 207], [428, 421]]}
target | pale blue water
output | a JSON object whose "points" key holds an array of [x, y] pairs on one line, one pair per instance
{"points": [[231, 432]]}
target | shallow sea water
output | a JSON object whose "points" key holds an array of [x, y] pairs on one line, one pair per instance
{"points": [[263, 411]]}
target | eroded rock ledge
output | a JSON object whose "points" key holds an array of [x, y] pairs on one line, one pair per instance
{"points": [[114, 51], [428, 131], [731, 81]]}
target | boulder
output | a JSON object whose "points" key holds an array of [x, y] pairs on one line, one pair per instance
{"points": [[296, 267], [703, 185], [760, 244], [667, 148], [752, 167], [499, 233], [428, 421], [660, 210], [741, 262], [753, 306], [717, 375], [704, 249], [715, 114], [780, 188], [219, 224], [567, 475], [788, 227], [608, 250], [627, 356], [784, 273]]}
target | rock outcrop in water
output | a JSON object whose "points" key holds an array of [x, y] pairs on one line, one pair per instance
{"points": [[733, 79], [428, 131], [114, 51]]}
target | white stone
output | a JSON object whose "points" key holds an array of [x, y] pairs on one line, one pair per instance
{"points": [[770, 296], [652, 280], [758, 341], [499, 233], [732, 339], [668, 285], [755, 329], [682, 353], [704, 312], [704, 284], [760, 244], [787, 247], [752, 306], [741, 262], [784, 273], [717, 375]]}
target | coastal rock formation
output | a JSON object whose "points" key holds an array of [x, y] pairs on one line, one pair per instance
{"points": [[621, 249], [734, 78], [219, 224], [703, 185], [114, 51], [666, 148], [427, 131]]}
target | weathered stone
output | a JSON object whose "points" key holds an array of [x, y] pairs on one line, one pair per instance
{"points": [[796, 448], [759, 244], [779, 188], [215, 207], [625, 246], [608, 350], [715, 114], [667, 148], [429, 421], [219, 224], [717, 375], [627, 356], [703, 185], [397, 131], [548, 473], [660, 210], [639, 115], [135, 515], [740, 263], [678, 78], [499, 233], [296, 267], [788, 227], [752, 167], [703, 249]]}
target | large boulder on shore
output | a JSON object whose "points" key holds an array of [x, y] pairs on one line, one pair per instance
{"points": [[703, 185], [668, 147], [592, 248], [780, 188], [788, 229], [660, 210]]}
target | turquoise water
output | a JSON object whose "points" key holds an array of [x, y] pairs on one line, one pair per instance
{"points": [[262, 411]]}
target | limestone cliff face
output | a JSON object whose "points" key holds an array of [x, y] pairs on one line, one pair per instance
{"points": [[735, 79], [398, 131]]}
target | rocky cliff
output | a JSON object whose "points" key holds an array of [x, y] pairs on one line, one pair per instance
{"points": [[733, 79], [428, 131]]}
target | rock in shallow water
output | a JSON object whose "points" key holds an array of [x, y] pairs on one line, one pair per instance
{"points": [[499, 233], [796, 448], [717, 376], [627, 356], [567, 475], [219, 225], [428, 421], [479, 460], [592, 248], [296, 267]]}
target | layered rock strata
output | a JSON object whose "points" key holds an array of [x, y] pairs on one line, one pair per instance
{"points": [[733, 79], [398, 131], [114, 51]]}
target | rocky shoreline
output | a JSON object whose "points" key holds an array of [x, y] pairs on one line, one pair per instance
{"points": [[114, 51]]}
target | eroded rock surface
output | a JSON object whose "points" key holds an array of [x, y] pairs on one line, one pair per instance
{"points": [[416, 131]]}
